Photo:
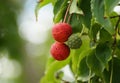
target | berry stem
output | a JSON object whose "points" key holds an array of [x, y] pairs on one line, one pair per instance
{"points": [[69, 17], [67, 11]]}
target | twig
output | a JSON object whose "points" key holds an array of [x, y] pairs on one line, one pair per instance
{"points": [[115, 16], [112, 16]]}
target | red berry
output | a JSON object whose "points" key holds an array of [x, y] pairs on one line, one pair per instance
{"points": [[61, 32], [60, 51]]}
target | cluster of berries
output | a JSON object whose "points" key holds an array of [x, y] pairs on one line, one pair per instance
{"points": [[62, 32]]}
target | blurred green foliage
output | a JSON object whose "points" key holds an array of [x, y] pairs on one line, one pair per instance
{"points": [[15, 46], [9, 37]]}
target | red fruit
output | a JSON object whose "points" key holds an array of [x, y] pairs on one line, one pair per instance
{"points": [[60, 51], [61, 32]]}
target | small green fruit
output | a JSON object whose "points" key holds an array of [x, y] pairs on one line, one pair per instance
{"points": [[74, 41]]}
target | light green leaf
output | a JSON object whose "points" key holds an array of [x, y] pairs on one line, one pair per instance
{"points": [[52, 69], [59, 10], [49, 62], [109, 6], [59, 15], [94, 64], [103, 53], [75, 9], [97, 8]]}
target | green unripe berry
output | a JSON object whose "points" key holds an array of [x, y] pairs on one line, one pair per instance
{"points": [[74, 41]]}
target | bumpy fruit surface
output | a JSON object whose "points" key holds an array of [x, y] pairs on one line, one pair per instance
{"points": [[61, 32], [74, 41], [60, 51]]}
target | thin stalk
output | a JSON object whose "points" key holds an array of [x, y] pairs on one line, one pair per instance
{"points": [[112, 16], [89, 81], [69, 17], [67, 11], [115, 16], [111, 75]]}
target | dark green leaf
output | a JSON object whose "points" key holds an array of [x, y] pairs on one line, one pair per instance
{"points": [[85, 6], [116, 72], [83, 70], [94, 30], [97, 8], [105, 36], [77, 53], [94, 64], [76, 23], [103, 53], [117, 50], [95, 79]]}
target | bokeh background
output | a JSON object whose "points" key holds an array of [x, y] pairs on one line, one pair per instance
{"points": [[24, 42]]}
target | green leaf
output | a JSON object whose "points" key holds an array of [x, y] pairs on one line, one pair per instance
{"points": [[94, 30], [103, 53], [85, 6], [59, 10], [52, 69], [59, 15], [116, 72], [114, 20], [74, 8], [97, 8], [74, 60], [83, 70], [41, 4], [109, 6], [105, 36], [49, 62], [95, 79], [76, 23], [117, 50], [94, 64], [77, 53]]}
